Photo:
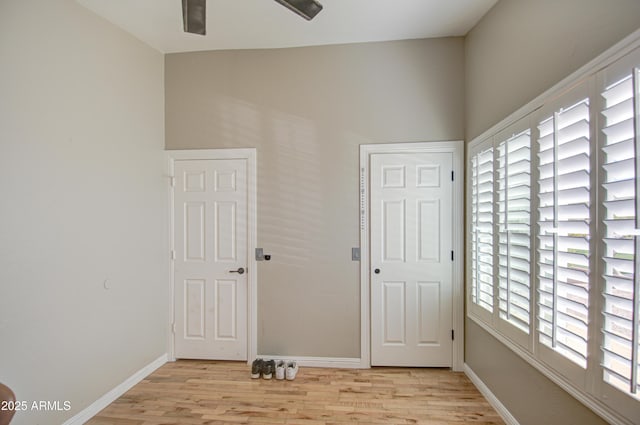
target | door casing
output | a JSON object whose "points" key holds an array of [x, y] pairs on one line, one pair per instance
{"points": [[249, 154], [457, 150]]}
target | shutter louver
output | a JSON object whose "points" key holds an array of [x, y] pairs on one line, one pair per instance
{"points": [[514, 205], [620, 221], [563, 238], [482, 229]]}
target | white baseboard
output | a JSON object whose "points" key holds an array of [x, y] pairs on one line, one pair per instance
{"points": [[329, 362], [95, 407], [491, 398]]}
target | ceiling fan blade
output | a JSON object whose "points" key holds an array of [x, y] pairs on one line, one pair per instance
{"points": [[308, 9], [194, 16]]}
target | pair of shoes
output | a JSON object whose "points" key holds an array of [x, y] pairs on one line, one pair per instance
{"points": [[262, 367], [266, 369], [286, 370]]}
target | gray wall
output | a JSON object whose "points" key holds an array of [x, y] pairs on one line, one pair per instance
{"points": [[515, 53], [307, 110], [83, 200]]}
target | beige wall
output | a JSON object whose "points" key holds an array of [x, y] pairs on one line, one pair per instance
{"points": [[528, 395], [523, 47], [83, 200], [515, 53], [307, 110]]}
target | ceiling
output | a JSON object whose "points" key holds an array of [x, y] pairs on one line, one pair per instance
{"points": [[260, 24]]}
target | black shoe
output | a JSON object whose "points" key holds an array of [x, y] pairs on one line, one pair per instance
{"points": [[256, 368], [268, 368]]}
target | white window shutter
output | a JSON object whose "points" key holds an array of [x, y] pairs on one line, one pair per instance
{"points": [[619, 146], [513, 176], [564, 230], [482, 229]]}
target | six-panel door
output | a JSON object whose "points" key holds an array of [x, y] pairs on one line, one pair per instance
{"points": [[210, 281], [411, 265]]}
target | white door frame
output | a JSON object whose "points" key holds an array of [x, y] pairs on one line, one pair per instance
{"points": [[252, 302], [457, 149]]}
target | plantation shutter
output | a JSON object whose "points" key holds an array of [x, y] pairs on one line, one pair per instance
{"points": [[514, 206], [554, 218], [482, 229], [619, 168], [564, 230]]}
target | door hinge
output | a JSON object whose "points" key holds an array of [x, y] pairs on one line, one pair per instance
{"points": [[173, 254], [173, 327], [451, 255], [452, 335], [451, 175], [172, 181]]}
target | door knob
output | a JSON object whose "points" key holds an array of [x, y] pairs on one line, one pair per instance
{"points": [[377, 271], [239, 271]]}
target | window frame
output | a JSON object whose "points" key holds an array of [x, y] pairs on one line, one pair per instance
{"points": [[588, 386]]}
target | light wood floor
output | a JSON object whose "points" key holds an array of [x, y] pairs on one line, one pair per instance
{"points": [[195, 392]]}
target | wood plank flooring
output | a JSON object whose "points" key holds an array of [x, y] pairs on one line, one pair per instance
{"points": [[193, 392]]}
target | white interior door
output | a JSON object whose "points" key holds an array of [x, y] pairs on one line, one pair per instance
{"points": [[411, 202], [210, 267]]}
